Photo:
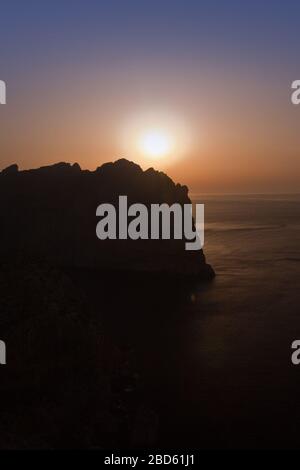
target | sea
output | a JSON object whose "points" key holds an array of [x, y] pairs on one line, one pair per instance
{"points": [[216, 361]]}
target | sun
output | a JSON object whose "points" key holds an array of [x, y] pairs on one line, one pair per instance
{"points": [[155, 143], [155, 137]]}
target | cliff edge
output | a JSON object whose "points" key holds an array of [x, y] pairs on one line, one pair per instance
{"points": [[49, 214]]}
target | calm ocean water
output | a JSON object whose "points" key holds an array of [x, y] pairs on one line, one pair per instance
{"points": [[216, 360], [235, 384]]}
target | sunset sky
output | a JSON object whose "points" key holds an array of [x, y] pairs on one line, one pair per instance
{"points": [[199, 89]]}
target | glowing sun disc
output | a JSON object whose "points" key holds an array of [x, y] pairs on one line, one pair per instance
{"points": [[155, 144]]}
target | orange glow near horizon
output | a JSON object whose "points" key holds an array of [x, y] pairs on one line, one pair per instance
{"points": [[208, 139]]}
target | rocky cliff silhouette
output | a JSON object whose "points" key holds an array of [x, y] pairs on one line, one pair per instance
{"points": [[49, 214]]}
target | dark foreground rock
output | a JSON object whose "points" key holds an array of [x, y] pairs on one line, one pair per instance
{"points": [[78, 318], [67, 383], [49, 214]]}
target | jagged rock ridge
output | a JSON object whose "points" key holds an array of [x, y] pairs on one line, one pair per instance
{"points": [[49, 213]]}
